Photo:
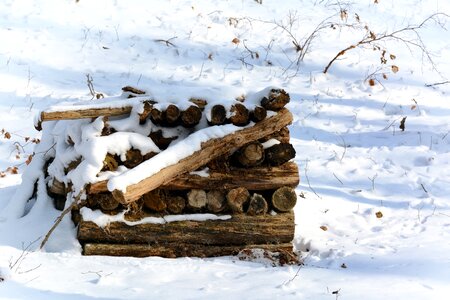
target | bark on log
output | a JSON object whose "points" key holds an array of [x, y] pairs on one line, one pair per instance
{"points": [[239, 230], [196, 199], [105, 200], [57, 187], [237, 198], [176, 204], [82, 114], [173, 250], [240, 115], [148, 106], [209, 150], [218, 115], [258, 114], [171, 115], [133, 90], [276, 100], [251, 155], [133, 157], [257, 205], [279, 154], [110, 163], [215, 201], [156, 116], [220, 164], [155, 200], [201, 103], [191, 116], [161, 141], [255, 179], [282, 135], [284, 199]]}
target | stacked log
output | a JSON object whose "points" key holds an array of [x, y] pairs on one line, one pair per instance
{"points": [[249, 177]]}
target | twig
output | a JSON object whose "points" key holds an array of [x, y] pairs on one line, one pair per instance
{"points": [[307, 179], [424, 189], [167, 42], [60, 218], [338, 179], [437, 83], [373, 181]]}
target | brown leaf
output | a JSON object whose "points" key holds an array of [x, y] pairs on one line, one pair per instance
{"points": [[2, 174], [7, 135], [413, 107], [324, 228], [210, 56], [236, 41], [29, 159], [379, 214], [375, 1], [402, 124], [392, 56], [371, 82], [385, 76], [394, 68]]}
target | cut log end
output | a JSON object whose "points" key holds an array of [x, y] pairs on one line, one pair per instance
{"points": [[257, 205], [284, 199], [279, 154], [276, 100], [215, 201], [191, 116], [196, 199], [251, 155], [237, 198], [155, 200], [240, 115], [218, 115]]}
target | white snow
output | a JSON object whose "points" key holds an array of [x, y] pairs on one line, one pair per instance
{"points": [[354, 160]]}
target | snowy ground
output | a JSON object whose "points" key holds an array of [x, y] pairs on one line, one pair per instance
{"points": [[355, 161]]}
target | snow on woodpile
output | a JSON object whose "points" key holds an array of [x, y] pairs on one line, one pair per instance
{"points": [[145, 159]]}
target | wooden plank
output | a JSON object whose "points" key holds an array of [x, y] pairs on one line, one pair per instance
{"points": [[209, 150], [255, 179], [82, 114], [239, 230], [172, 250]]}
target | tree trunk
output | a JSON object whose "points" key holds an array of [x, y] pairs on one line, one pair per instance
{"points": [[173, 250], [284, 199], [239, 230]]}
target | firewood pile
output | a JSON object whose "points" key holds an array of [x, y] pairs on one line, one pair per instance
{"points": [[190, 178]]}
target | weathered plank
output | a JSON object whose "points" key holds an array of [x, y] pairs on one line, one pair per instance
{"points": [[239, 230], [172, 250]]}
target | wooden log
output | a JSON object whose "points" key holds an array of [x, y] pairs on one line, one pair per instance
{"points": [[134, 211], [255, 179], [161, 141], [215, 201], [257, 205], [282, 135], [175, 204], [82, 114], [191, 116], [284, 199], [133, 90], [155, 200], [148, 106], [110, 163], [258, 114], [156, 116], [276, 100], [238, 230], [218, 115], [220, 164], [59, 202], [171, 115], [57, 187], [133, 157], [237, 198], [201, 103], [196, 199], [240, 115], [251, 155], [105, 200], [173, 250], [209, 150], [279, 154]]}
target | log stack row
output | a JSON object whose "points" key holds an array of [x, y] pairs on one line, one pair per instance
{"points": [[247, 175]]}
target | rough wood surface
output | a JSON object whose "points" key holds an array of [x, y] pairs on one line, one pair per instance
{"points": [[196, 199], [209, 150], [57, 187], [133, 90], [191, 116], [276, 100], [161, 141], [257, 179], [237, 198], [82, 114], [251, 155], [215, 201], [105, 200], [171, 115], [284, 199], [172, 250], [258, 114], [239, 230], [279, 154], [240, 115], [176, 204], [155, 200], [257, 205], [282, 135], [218, 115], [133, 157]]}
